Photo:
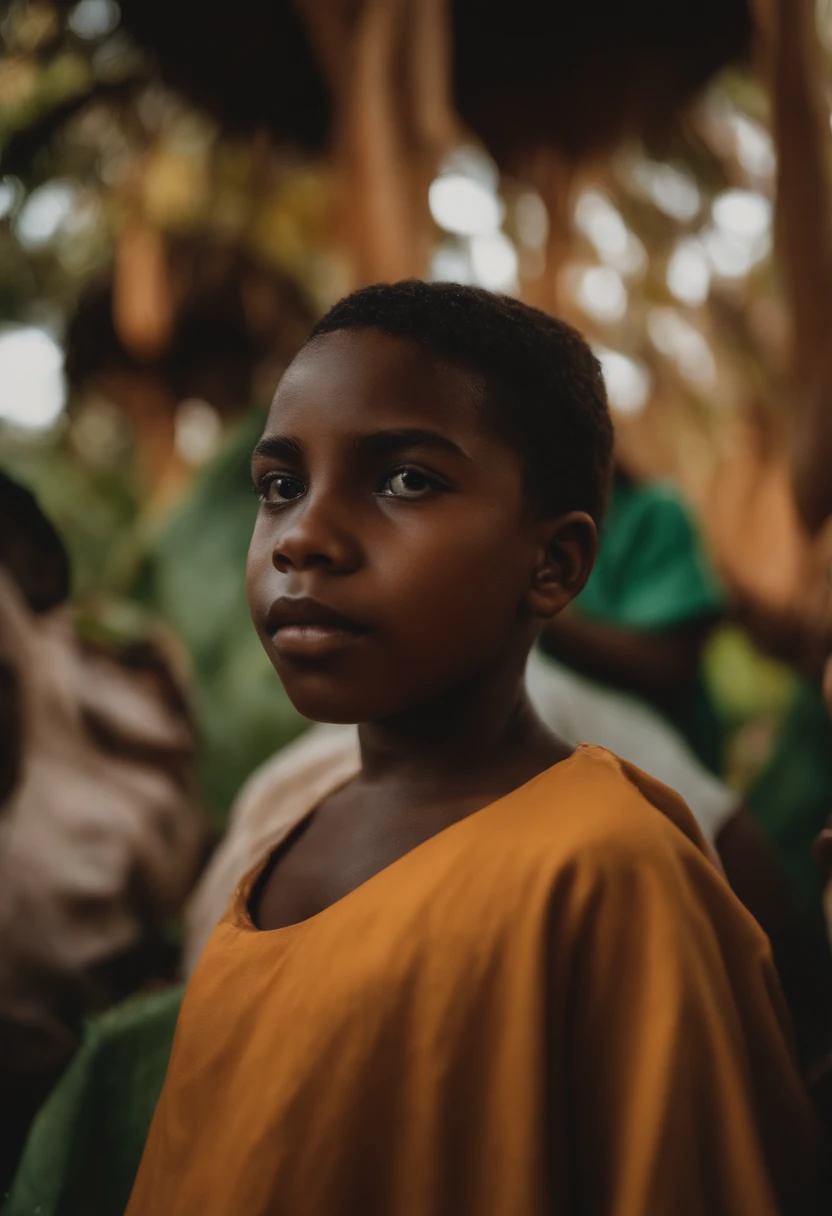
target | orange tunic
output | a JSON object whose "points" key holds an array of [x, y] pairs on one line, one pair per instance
{"points": [[555, 1005]]}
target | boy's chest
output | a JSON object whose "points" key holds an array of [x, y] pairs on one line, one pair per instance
{"points": [[420, 984], [337, 850]]}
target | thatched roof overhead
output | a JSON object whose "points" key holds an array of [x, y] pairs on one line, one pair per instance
{"points": [[576, 74], [526, 72]]}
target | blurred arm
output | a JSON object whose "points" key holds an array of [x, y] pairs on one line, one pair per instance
{"points": [[659, 664], [799, 947]]}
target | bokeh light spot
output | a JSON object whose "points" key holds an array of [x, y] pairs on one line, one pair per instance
{"points": [[44, 212], [670, 189], [32, 387], [742, 213], [628, 382], [600, 292], [688, 273], [464, 206], [494, 262], [532, 220], [197, 431], [94, 18]]}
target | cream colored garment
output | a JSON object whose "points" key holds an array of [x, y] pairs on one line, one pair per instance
{"points": [[279, 794], [289, 785], [83, 832]]}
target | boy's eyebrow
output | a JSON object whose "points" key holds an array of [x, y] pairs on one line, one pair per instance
{"points": [[279, 447], [377, 443], [381, 443]]}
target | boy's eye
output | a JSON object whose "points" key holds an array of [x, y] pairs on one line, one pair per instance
{"points": [[281, 488], [408, 483]]}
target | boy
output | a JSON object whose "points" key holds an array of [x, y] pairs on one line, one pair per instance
{"points": [[490, 974]]}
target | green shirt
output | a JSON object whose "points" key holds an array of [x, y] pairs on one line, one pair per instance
{"points": [[651, 572], [85, 1145]]}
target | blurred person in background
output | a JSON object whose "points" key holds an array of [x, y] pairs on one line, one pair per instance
{"points": [[642, 621], [101, 835]]}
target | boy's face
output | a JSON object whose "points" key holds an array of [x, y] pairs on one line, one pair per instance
{"points": [[394, 548]]}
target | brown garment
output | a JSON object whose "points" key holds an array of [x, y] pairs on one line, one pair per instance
{"points": [[555, 1005], [100, 837]]}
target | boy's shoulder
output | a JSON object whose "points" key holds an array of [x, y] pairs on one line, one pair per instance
{"points": [[596, 799], [595, 822], [594, 839]]}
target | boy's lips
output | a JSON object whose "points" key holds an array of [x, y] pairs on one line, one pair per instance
{"points": [[303, 627]]}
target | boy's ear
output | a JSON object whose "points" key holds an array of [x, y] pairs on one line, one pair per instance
{"points": [[568, 548]]}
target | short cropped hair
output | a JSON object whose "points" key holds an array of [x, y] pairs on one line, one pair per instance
{"points": [[543, 390]]}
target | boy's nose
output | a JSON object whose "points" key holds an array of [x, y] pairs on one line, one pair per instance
{"points": [[313, 537]]}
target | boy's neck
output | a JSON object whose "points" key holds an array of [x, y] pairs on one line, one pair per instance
{"points": [[482, 735]]}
